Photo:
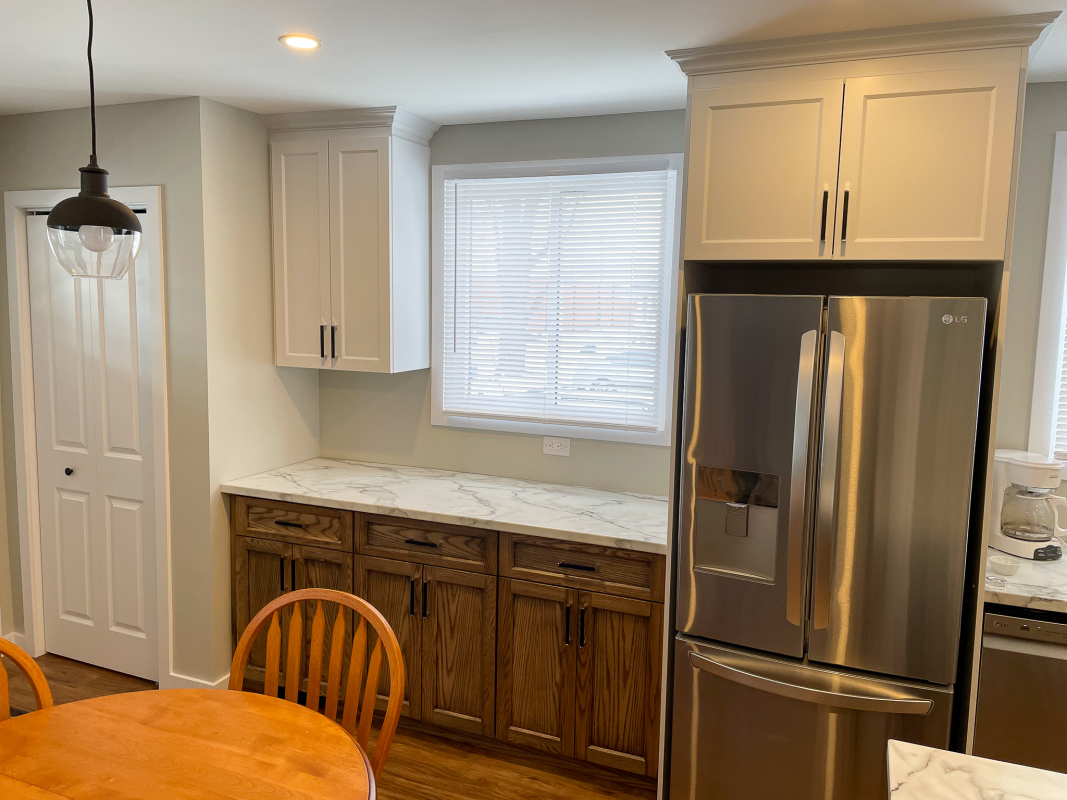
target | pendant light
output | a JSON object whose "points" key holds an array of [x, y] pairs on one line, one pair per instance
{"points": [[92, 235]]}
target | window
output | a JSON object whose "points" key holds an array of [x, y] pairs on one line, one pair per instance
{"points": [[1048, 414], [553, 296]]}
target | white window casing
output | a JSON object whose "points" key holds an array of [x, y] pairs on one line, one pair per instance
{"points": [[554, 287], [1048, 414]]}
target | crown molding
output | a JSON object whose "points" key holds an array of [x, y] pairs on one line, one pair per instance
{"points": [[938, 37], [400, 121]]}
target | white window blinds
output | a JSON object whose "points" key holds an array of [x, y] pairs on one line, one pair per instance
{"points": [[556, 298], [1059, 445]]}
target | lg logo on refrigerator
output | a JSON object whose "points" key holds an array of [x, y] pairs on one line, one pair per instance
{"points": [[948, 319]]}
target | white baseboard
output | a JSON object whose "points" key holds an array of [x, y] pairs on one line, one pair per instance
{"points": [[18, 639], [176, 681]]}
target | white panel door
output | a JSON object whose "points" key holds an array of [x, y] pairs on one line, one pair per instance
{"points": [[762, 171], [300, 209], [93, 403], [926, 165], [360, 226]]}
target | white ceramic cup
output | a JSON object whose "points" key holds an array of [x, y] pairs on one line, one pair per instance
{"points": [[1004, 565]]}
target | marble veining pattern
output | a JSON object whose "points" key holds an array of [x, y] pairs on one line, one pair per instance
{"points": [[574, 513], [1038, 584], [926, 773]]}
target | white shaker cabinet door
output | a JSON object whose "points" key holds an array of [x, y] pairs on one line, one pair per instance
{"points": [[360, 223], [926, 165], [300, 210], [763, 171]]}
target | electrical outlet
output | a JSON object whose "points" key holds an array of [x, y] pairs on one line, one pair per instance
{"points": [[556, 446]]}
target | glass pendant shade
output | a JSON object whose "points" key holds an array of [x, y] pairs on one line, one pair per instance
{"points": [[92, 235]]}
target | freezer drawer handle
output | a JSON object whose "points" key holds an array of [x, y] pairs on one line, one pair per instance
{"points": [[829, 460], [798, 485], [806, 694]]}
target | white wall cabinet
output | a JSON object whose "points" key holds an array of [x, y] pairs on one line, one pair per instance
{"points": [[906, 166], [351, 233], [763, 171]]}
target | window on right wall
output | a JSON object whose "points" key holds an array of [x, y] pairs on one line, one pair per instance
{"points": [[1048, 413]]}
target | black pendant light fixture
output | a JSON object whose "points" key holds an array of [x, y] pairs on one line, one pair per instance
{"points": [[92, 235]]}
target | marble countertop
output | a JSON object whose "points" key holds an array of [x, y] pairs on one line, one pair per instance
{"points": [[926, 773], [574, 513], [1038, 584]]}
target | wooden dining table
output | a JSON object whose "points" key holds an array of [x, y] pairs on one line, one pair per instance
{"points": [[180, 744]]}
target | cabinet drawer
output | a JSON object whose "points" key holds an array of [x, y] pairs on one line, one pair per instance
{"points": [[293, 522], [437, 544], [584, 566]]}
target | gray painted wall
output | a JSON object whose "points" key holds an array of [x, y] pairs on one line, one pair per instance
{"points": [[386, 418], [231, 411], [155, 143], [1045, 114]]}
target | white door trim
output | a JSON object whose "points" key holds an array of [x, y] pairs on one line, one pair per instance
{"points": [[16, 206]]}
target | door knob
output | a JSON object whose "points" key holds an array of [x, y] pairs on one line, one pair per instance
{"points": [[68, 471]]}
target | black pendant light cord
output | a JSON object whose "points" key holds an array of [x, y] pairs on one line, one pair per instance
{"points": [[92, 83]]}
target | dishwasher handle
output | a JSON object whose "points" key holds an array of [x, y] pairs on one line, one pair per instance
{"points": [[808, 694]]}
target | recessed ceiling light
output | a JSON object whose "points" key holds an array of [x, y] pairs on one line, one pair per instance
{"points": [[300, 42]]}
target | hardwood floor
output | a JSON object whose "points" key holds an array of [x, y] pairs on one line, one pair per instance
{"points": [[70, 681], [421, 765]]}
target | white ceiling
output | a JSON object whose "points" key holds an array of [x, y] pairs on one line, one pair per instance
{"points": [[449, 60]]}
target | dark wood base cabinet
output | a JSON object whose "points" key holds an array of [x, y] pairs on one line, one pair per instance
{"points": [[561, 653]]}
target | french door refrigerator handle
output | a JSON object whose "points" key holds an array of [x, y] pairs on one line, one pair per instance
{"points": [[799, 475], [808, 694], [828, 464]]}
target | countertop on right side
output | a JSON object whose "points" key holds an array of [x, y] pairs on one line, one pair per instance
{"points": [[1040, 585], [926, 773]]}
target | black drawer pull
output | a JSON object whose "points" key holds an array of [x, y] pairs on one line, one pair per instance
{"points": [[582, 567], [567, 630], [287, 524], [425, 605], [420, 543], [411, 608]]}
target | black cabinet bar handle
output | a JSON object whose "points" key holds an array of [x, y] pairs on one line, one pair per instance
{"points": [[420, 543], [411, 610], [322, 341], [292, 571], [582, 567], [333, 341], [286, 524], [281, 575], [844, 217], [825, 204], [567, 634], [581, 627], [425, 608]]}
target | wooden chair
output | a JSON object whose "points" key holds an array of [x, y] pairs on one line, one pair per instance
{"points": [[41, 693], [386, 639]]}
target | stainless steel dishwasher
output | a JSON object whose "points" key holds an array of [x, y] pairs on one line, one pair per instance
{"points": [[1022, 689]]}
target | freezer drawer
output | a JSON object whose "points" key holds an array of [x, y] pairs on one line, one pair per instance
{"points": [[750, 727]]}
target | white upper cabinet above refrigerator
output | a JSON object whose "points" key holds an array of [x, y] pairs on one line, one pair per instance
{"points": [[908, 133], [926, 159], [763, 170], [351, 231]]}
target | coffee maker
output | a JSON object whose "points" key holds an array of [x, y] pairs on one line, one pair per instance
{"points": [[1027, 516]]}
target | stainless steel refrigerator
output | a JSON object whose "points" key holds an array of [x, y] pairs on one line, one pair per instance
{"points": [[827, 459]]}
